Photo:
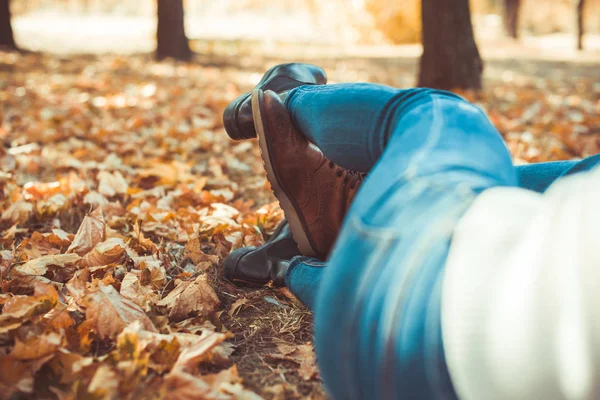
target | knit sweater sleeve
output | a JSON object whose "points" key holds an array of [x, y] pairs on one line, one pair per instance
{"points": [[521, 295]]}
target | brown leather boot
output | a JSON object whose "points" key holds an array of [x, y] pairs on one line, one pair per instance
{"points": [[313, 192]]}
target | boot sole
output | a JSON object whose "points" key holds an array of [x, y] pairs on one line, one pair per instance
{"points": [[295, 221]]}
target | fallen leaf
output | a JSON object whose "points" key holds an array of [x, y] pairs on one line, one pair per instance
{"points": [[111, 184], [111, 312], [237, 305], [69, 366], [15, 376], [105, 383], [18, 212], [303, 355], [21, 309], [36, 346], [201, 350], [190, 298], [110, 251], [143, 296], [40, 266], [90, 233]]}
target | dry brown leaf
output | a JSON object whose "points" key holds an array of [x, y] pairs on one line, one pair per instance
{"points": [[143, 296], [15, 376], [145, 243], [36, 346], [111, 312], [105, 383], [181, 385], [222, 386], [69, 366], [303, 355], [229, 382], [201, 350], [18, 212], [40, 266], [110, 251], [21, 309], [90, 233], [236, 306], [190, 298], [111, 184], [194, 252], [152, 271]]}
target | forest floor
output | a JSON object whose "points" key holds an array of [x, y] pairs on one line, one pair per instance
{"points": [[121, 195]]}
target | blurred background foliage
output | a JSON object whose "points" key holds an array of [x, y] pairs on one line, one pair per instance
{"points": [[348, 21]]}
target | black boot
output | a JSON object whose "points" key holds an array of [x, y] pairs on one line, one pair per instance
{"points": [[237, 117], [269, 262]]}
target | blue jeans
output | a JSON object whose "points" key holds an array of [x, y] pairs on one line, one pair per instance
{"points": [[377, 304]]}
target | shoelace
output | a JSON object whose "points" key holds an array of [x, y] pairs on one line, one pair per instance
{"points": [[351, 178]]}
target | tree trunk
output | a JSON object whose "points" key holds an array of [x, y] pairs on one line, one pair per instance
{"points": [[7, 40], [511, 17], [450, 58], [170, 32], [580, 27]]}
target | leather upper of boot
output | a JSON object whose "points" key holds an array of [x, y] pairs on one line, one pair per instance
{"points": [[320, 191]]}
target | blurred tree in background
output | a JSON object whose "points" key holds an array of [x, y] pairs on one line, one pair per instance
{"points": [[511, 17], [450, 58], [171, 40], [7, 39], [580, 24]]}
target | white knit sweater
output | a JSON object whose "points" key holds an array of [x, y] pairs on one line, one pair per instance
{"points": [[521, 295]]}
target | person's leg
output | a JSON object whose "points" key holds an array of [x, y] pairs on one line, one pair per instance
{"points": [[377, 320], [352, 122], [538, 177]]}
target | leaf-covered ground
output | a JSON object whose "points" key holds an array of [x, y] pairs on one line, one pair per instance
{"points": [[121, 195]]}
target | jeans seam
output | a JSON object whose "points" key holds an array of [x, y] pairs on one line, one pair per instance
{"points": [[432, 139]]}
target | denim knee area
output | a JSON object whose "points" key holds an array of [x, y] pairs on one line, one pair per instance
{"points": [[352, 122], [377, 316]]}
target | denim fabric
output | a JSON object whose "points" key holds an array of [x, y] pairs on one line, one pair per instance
{"points": [[377, 306], [539, 177], [304, 273]]}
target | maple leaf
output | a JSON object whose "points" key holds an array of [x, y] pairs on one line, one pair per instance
{"points": [[190, 298], [111, 312]]}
